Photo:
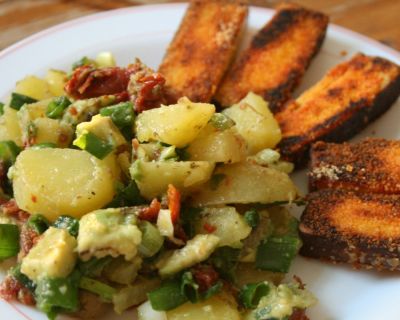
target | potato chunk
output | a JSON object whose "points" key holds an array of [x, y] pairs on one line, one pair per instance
{"points": [[153, 178], [226, 223], [54, 182], [255, 123], [53, 256], [33, 87], [219, 307], [176, 124], [245, 183], [56, 80], [9, 126], [215, 145]]}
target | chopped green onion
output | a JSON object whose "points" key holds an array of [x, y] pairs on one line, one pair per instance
{"points": [[190, 288], [127, 196], [9, 241], [104, 291], [56, 107], [84, 61], [121, 114], [189, 216], [58, 294], [251, 294], [136, 170], [9, 152], [94, 267], [276, 253], [93, 144], [18, 100], [221, 121], [68, 223], [213, 290], [152, 240], [38, 223], [44, 145], [1, 108], [252, 218], [168, 296], [16, 273]]}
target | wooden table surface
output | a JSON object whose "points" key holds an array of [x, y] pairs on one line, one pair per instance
{"points": [[378, 19]]}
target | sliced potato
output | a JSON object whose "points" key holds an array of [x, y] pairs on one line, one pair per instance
{"points": [[33, 87], [9, 126], [255, 122], [219, 307], [51, 130], [56, 80], [245, 183], [153, 178], [57, 182], [226, 223], [177, 124], [215, 145]]}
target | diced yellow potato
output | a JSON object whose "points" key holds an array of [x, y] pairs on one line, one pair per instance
{"points": [[196, 250], [227, 223], [53, 256], [104, 128], [56, 80], [51, 130], [57, 182], [33, 87], [177, 124], [219, 307], [45, 129], [9, 126], [214, 145], [255, 122], [153, 178], [245, 183]]}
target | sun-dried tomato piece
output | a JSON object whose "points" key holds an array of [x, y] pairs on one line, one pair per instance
{"points": [[205, 276], [299, 314], [88, 82], [9, 288], [150, 213], [28, 238], [11, 208]]}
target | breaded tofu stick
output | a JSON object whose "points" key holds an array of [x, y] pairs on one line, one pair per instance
{"points": [[350, 95], [203, 48], [371, 166], [356, 228], [277, 58]]}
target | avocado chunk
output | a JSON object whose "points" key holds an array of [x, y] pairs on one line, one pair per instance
{"points": [[106, 232], [196, 250], [53, 256]]}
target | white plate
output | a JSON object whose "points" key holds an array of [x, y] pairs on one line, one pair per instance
{"points": [[145, 32]]}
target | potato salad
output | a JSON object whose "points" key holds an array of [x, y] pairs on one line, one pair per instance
{"points": [[114, 195]]}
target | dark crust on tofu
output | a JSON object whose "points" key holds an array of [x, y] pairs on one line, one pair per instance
{"points": [[203, 48], [371, 165], [331, 223], [274, 35], [343, 125]]}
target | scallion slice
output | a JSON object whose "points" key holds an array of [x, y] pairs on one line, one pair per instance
{"points": [[168, 296], [93, 144], [121, 114], [18, 100], [9, 241], [38, 223], [251, 294], [9, 152], [104, 291], [152, 240], [56, 107]]}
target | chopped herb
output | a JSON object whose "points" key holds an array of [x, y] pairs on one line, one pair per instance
{"points": [[38, 223], [251, 294], [93, 144], [56, 107], [18, 100], [68, 223]]}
